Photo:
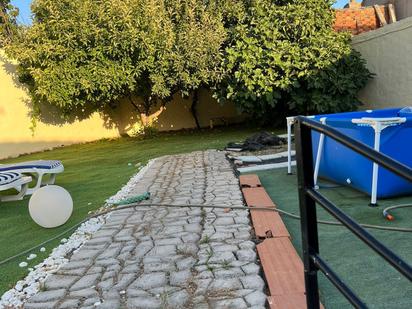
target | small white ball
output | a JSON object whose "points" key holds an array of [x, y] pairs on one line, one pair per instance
{"points": [[50, 206]]}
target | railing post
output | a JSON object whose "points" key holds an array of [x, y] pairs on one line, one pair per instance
{"points": [[310, 246]]}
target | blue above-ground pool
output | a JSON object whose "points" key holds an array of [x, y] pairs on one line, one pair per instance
{"points": [[344, 166]]}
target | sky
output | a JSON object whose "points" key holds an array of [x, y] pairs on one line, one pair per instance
{"points": [[24, 10], [341, 3], [24, 7]]}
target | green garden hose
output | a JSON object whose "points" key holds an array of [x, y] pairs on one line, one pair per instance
{"points": [[133, 199], [137, 204], [390, 217]]}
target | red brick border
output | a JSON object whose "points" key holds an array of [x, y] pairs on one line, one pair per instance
{"points": [[358, 20]]}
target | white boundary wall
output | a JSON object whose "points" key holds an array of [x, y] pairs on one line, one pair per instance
{"points": [[388, 52]]}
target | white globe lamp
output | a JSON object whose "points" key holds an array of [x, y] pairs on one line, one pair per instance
{"points": [[50, 206]]}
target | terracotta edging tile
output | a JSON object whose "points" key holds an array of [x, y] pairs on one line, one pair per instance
{"points": [[257, 197], [265, 223], [282, 266], [249, 181], [290, 301], [268, 224]]}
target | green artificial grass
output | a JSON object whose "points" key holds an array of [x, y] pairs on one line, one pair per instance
{"points": [[93, 172], [375, 281]]}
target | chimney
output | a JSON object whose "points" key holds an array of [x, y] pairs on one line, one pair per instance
{"points": [[353, 4]]}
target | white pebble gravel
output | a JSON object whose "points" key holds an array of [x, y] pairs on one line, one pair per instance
{"points": [[31, 284], [31, 256]]}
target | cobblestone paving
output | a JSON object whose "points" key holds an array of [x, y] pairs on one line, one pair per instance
{"points": [[164, 257]]}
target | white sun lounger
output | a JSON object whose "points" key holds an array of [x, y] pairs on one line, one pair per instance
{"points": [[36, 169], [13, 180]]}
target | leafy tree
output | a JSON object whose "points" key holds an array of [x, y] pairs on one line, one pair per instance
{"points": [[8, 25], [196, 55], [202, 29], [285, 57], [81, 56]]}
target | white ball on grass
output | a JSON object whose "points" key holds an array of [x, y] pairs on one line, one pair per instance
{"points": [[50, 206]]}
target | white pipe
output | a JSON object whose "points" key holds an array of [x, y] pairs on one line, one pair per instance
{"points": [[264, 167], [378, 128], [319, 156], [289, 122]]}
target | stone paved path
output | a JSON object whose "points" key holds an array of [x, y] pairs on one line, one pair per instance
{"points": [[163, 257]]}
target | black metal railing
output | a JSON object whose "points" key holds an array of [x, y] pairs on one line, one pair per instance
{"points": [[309, 197]]}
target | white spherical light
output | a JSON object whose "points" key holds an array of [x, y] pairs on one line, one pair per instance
{"points": [[50, 206]]}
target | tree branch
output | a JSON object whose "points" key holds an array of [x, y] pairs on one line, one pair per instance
{"points": [[134, 104]]}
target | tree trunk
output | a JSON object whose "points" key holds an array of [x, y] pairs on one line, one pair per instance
{"points": [[145, 115], [145, 119], [193, 108]]}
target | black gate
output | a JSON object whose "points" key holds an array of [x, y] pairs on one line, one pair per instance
{"points": [[309, 197]]}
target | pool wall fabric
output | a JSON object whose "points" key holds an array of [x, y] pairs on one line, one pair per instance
{"points": [[388, 131]]}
